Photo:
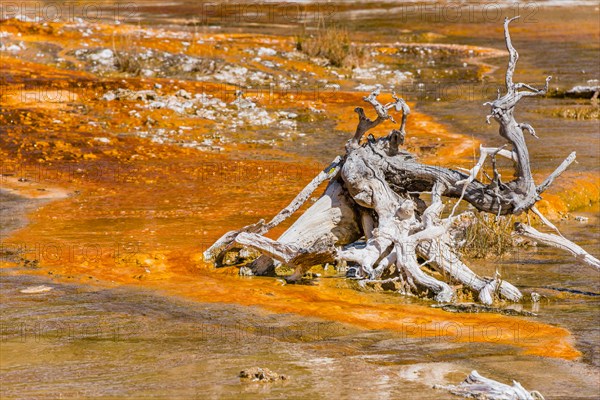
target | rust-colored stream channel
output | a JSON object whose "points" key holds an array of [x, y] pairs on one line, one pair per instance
{"points": [[124, 157]]}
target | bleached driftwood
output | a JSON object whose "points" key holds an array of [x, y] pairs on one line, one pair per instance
{"points": [[479, 387], [559, 242], [371, 214], [218, 250]]}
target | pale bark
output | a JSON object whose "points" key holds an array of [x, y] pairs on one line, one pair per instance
{"points": [[559, 242], [479, 387]]}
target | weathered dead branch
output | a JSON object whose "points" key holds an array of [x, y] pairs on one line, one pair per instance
{"points": [[216, 252], [559, 242], [479, 387]]}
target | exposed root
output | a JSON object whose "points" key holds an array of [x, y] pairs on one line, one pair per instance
{"points": [[559, 242]]}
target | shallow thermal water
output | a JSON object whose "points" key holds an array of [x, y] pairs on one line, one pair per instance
{"points": [[79, 341], [97, 340]]}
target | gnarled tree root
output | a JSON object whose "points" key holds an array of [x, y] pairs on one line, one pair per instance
{"points": [[371, 214]]}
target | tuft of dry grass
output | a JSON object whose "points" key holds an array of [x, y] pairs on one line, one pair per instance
{"points": [[334, 45], [126, 62], [488, 236], [580, 113]]}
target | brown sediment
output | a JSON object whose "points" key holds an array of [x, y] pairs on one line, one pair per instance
{"points": [[141, 212]]}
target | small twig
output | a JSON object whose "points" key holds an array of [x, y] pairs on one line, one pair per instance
{"points": [[545, 220]]}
